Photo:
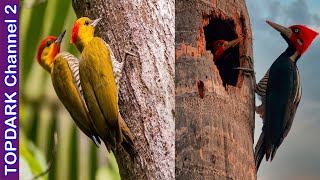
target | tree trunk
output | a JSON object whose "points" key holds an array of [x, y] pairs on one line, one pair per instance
{"points": [[146, 102], [214, 123]]}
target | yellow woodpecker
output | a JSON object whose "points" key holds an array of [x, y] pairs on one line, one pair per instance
{"points": [[64, 70], [117, 66], [98, 69]]}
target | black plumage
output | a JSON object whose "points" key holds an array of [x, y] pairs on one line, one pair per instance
{"points": [[283, 94]]}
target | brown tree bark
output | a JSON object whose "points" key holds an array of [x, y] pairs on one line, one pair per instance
{"points": [[146, 102], [214, 123]]}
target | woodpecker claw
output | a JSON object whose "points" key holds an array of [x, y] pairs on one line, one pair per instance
{"points": [[129, 53], [126, 53], [244, 69], [260, 111]]}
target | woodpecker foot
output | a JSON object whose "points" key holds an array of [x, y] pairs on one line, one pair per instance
{"points": [[126, 54], [247, 71], [129, 53], [244, 69], [121, 64], [260, 110]]}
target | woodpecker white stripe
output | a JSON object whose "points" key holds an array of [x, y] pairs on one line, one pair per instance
{"points": [[74, 67], [116, 67], [73, 62], [297, 96], [261, 87]]}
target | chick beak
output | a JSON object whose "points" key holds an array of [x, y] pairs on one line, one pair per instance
{"points": [[231, 43], [284, 30], [95, 22], [60, 37]]}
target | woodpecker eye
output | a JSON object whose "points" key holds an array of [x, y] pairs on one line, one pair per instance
{"points": [[219, 44], [86, 23], [49, 43], [296, 30]]}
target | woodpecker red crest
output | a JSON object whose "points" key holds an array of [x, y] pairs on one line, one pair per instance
{"points": [[220, 46], [48, 49], [302, 37], [46, 43], [299, 36], [75, 31]]}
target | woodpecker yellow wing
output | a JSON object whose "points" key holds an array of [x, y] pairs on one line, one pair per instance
{"points": [[66, 82], [99, 89]]}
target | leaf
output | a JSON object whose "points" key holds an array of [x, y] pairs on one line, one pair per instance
{"points": [[25, 170], [30, 162]]}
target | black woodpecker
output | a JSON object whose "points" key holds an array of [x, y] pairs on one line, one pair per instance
{"points": [[280, 91]]}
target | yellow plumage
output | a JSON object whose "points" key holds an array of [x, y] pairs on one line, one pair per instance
{"points": [[63, 81], [94, 105], [64, 70], [99, 74], [99, 89]]}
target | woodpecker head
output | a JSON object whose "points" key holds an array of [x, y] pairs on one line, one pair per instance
{"points": [[83, 32], [220, 46], [48, 49], [299, 36]]}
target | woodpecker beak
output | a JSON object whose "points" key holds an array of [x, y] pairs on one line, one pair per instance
{"points": [[60, 37], [231, 43], [284, 30], [95, 22]]}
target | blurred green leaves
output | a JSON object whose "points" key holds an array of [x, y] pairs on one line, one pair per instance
{"points": [[110, 172], [32, 161]]}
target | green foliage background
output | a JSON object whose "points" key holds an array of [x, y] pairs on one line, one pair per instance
{"points": [[41, 113]]}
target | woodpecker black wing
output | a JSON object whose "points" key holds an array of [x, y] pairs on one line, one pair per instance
{"points": [[294, 106], [259, 150], [282, 98]]}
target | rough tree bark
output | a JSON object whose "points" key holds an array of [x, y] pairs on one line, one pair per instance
{"points": [[214, 124], [146, 28]]}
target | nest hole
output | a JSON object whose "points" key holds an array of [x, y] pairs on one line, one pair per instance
{"points": [[224, 29]]}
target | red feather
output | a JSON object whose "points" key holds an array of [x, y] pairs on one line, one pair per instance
{"points": [[306, 34], [43, 45], [218, 50], [75, 31]]}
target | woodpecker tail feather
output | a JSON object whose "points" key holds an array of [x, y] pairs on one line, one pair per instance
{"points": [[260, 151], [268, 152], [108, 146], [128, 146], [96, 140], [274, 150], [127, 142], [260, 154], [119, 137]]}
